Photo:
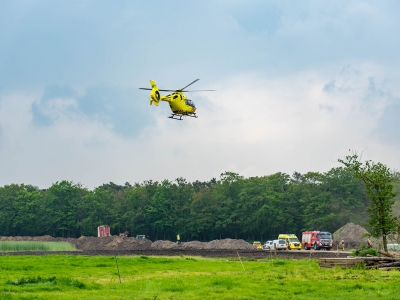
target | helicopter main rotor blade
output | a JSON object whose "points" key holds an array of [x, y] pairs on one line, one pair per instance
{"points": [[148, 89], [199, 91], [188, 85], [182, 89]]}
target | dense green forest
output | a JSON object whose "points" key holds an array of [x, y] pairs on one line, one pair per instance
{"points": [[255, 208]]}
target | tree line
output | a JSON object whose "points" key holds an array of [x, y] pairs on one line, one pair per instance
{"points": [[255, 208]]}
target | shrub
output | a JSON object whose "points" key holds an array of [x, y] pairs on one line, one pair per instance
{"points": [[31, 280], [364, 251], [51, 280], [360, 266]]}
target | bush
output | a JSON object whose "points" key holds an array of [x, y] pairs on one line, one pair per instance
{"points": [[364, 251], [51, 280], [31, 280]]}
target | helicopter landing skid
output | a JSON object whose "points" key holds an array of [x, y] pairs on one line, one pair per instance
{"points": [[180, 116]]}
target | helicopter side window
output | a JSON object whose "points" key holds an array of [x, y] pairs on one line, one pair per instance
{"points": [[176, 96], [190, 103]]}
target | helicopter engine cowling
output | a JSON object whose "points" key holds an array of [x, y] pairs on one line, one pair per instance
{"points": [[155, 93]]}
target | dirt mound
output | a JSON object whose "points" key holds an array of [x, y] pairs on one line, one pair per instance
{"points": [[193, 245], [111, 243], [228, 244], [131, 243], [216, 244], [160, 244], [90, 243], [353, 236]]}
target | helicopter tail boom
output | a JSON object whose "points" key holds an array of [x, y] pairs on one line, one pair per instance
{"points": [[155, 93]]}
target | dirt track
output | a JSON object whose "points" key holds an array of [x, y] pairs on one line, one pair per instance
{"points": [[255, 254], [118, 245]]}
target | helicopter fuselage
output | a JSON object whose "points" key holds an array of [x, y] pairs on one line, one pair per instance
{"points": [[179, 104]]}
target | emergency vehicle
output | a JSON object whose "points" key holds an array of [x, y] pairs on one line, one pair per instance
{"points": [[292, 242], [317, 240]]}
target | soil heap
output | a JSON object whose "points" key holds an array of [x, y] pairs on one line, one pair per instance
{"points": [[353, 236], [111, 243], [216, 244], [131, 243]]}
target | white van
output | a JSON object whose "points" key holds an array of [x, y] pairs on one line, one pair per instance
{"points": [[280, 244], [268, 245]]}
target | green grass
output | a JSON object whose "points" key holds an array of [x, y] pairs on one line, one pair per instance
{"points": [[143, 277], [13, 246]]}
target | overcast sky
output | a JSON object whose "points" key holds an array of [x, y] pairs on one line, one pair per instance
{"points": [[299, 83]]}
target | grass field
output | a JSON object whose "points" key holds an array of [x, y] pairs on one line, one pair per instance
{"points": [[12, 246], [142, 277]]}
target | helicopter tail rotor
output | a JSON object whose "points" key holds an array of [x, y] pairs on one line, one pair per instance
{"points": [[155, 93]]}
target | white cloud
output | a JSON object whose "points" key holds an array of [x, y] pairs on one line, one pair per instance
{"points": [[255, 124], [263, 125], [298, 84]]}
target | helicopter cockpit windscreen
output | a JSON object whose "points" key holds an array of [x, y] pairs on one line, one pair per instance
{"points": [[190, 103]]}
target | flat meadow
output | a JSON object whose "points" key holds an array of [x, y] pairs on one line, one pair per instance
{"points": [[181, 277], [15, 246]]}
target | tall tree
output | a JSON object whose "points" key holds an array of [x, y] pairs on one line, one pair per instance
{"points": [[315, 200], [20, 210], [28, 205], [63, 203], [378, 181], [203, 212], [182, 193], [227, 194], [348, 201], [158, 213], [140, 196]]}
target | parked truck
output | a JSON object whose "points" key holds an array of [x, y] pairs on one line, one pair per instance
{"points": [[292, 242], [317, 240]]}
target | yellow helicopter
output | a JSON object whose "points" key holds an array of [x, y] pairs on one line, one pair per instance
{"points": [[180, 105]]}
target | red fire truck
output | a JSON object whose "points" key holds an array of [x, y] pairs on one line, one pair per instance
{"points": [[317, 240]]}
